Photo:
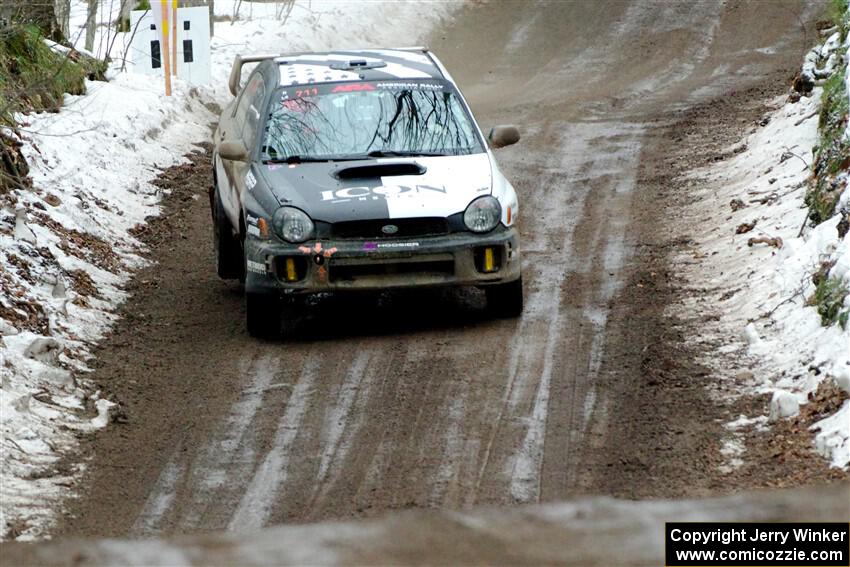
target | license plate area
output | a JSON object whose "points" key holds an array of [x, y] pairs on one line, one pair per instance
{"points": [[438, 266]]}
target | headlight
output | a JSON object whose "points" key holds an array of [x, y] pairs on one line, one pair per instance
{"points": [[483, 214], [292, 224]]}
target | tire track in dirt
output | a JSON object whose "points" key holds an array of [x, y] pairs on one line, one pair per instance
{"points": [[271, 475], [227, 459], [222, 463], [600, 251], [158, 504], [521, 418], [338, 427]]}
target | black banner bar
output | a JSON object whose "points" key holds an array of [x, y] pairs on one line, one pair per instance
{"points": [[697, 544]]}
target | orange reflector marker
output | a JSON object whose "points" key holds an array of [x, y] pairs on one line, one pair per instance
{"points": [[489, 263], [291, 274], [509, 216], [264, 228]]}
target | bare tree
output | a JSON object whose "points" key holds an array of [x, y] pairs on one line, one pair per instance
{"points": [[91, 21]]}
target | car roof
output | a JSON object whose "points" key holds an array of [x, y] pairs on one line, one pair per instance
{"points": [[357, 65]]}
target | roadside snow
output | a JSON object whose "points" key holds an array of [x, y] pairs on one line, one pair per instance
{"points": [[763, 278], [65, 249]]}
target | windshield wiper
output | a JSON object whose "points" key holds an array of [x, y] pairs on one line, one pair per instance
{"points": [[373, 154], [311, 159], [293, 159], [404, 153]]}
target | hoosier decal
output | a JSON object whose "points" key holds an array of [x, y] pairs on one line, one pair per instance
{"points": [[372, 246], [398, 245]]}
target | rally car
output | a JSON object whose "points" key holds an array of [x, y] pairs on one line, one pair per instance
{"points": [[358, 170]]}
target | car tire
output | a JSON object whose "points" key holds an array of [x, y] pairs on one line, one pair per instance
{"points": [[228, 248], [263, 315], [505, 300]]}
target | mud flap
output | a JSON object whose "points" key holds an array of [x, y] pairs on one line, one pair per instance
{"points": [[505, 300], [228, 249]]}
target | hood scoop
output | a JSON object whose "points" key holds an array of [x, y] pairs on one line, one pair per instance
{"points": [[379, 170]]}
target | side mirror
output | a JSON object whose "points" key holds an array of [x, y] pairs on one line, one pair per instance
{"points": [[502, 136], [233, 150]]}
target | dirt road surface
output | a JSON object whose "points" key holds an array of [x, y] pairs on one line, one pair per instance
{"points": [[418, 400]]}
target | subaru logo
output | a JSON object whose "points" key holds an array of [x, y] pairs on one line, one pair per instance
{"points": [[389, 229]]}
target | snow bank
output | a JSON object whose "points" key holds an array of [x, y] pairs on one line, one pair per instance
{"points": [[64, 256], [65, 249], [762, 278]]}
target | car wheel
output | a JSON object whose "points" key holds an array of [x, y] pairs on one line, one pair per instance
{"points": [[505, 300], [263, 315], [228, 249]]}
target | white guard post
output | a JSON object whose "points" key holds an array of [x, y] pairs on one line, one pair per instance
{"points": [[193, 44]]}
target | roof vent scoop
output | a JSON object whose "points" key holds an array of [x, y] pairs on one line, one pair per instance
{"points": [[379, 170], [357, 65]]}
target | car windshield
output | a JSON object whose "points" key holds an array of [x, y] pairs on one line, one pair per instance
{"points": [[359, 120]]}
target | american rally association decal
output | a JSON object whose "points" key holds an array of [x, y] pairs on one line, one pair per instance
{"points": [[396, 85]]}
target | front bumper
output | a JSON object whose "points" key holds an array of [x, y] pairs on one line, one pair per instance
{"points": [[337, 265]]}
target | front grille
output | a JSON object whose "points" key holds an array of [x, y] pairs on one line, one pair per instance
{"points": [[407, 228], [340, 273]]}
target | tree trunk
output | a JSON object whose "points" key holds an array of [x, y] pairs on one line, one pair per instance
{"points": [[126, 8], [123, 23], [62, 10], [91, 22], [211, 4]]}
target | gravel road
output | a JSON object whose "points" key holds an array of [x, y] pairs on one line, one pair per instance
{"points": [[393, 401]]}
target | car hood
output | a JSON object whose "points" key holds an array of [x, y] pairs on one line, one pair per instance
{"points": [[383, 188]]}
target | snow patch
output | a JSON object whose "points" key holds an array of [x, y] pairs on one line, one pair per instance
{"points": [[783, 404], [733, 450], [833, 438]]}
